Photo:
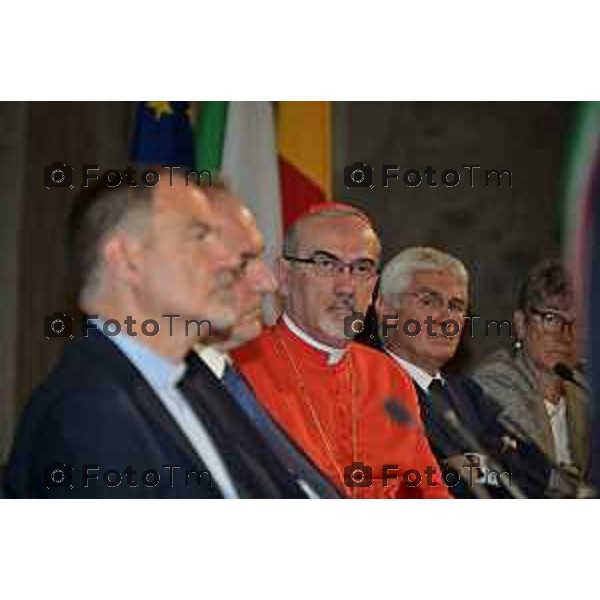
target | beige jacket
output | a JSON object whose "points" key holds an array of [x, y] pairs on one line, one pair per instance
{"points": [[511, 381]]}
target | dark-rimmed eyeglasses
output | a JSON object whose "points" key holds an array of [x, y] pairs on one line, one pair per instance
{"points": [[326, 264], [553, 321]]}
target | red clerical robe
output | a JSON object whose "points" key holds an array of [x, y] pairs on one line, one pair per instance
{"points": [[336, 414]]}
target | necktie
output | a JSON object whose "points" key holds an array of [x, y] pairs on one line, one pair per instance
{"points": [[189, 389], [436, 390], [297, 464], [256, 471], [239, 389], [442, 435], [213, 418]]}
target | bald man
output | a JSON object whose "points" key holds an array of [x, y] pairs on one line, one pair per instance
{"points": [[328, 393]]}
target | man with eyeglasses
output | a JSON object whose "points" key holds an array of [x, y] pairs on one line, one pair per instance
{"points": [[422, 308], [328, 393], [546, 409]]}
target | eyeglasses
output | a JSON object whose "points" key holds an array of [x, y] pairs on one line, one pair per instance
{"points": [[436, 301], [328, 265], [553, 321]]}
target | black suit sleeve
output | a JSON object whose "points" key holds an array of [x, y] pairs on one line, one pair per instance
{"points": [[90, 432]]}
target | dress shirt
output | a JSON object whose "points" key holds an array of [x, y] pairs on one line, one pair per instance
{"points": [[163, 375], [557, 413], [421, 377], [215, 360]]}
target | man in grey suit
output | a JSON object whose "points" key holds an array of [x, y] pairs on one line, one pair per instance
{"points": [[543, 408]]}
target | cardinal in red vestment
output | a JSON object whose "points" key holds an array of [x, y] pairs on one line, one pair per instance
{"points": [[332, 395]]}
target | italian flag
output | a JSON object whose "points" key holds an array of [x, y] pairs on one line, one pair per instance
{"points": [[304, 134], [275, 156]]}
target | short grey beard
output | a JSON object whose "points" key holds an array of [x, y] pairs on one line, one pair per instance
{"points": [[334, 329]]}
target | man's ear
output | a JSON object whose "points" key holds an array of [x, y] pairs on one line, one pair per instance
{"points": [[519, 319], [122, 257], [282, 273]]}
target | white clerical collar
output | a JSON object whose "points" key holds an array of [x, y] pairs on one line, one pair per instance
{"points": [[215, 360], [421, 377], [334, 355]]}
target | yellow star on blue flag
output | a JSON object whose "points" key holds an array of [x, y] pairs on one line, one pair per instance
{"points": [[163, 134]]}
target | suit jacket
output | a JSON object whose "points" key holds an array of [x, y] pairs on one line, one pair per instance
{"points": [[511, 381], [95, 409], [480, 415], [475, 412], [298, 464]]}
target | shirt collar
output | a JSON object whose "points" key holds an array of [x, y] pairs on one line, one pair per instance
{"points": [[334, 355], [216, 360], [158, 370], [421, 377], [556, 410]]}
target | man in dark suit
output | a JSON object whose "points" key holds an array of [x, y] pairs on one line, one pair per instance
{"points": [[422, 307], [239, 228], [122, 415]]}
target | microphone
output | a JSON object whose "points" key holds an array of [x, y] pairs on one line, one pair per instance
{"points": [[468, 439], [555, 468], [462, 433], [567, 374], [398, 413]]}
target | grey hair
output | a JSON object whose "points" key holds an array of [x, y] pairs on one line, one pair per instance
{"points": [[98, 211], [292, 236], [399, 271]]}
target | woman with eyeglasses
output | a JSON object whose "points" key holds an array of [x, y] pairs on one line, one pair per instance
{"points": [[540, 405]]}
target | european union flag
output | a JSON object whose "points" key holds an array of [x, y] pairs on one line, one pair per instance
{"points": [[163, 135]]}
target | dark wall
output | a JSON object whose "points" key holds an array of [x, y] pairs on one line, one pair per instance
{"points": [[76, 133], [498, 232]]}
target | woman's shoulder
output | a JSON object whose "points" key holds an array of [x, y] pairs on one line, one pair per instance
{"points": [[502, 367]]}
